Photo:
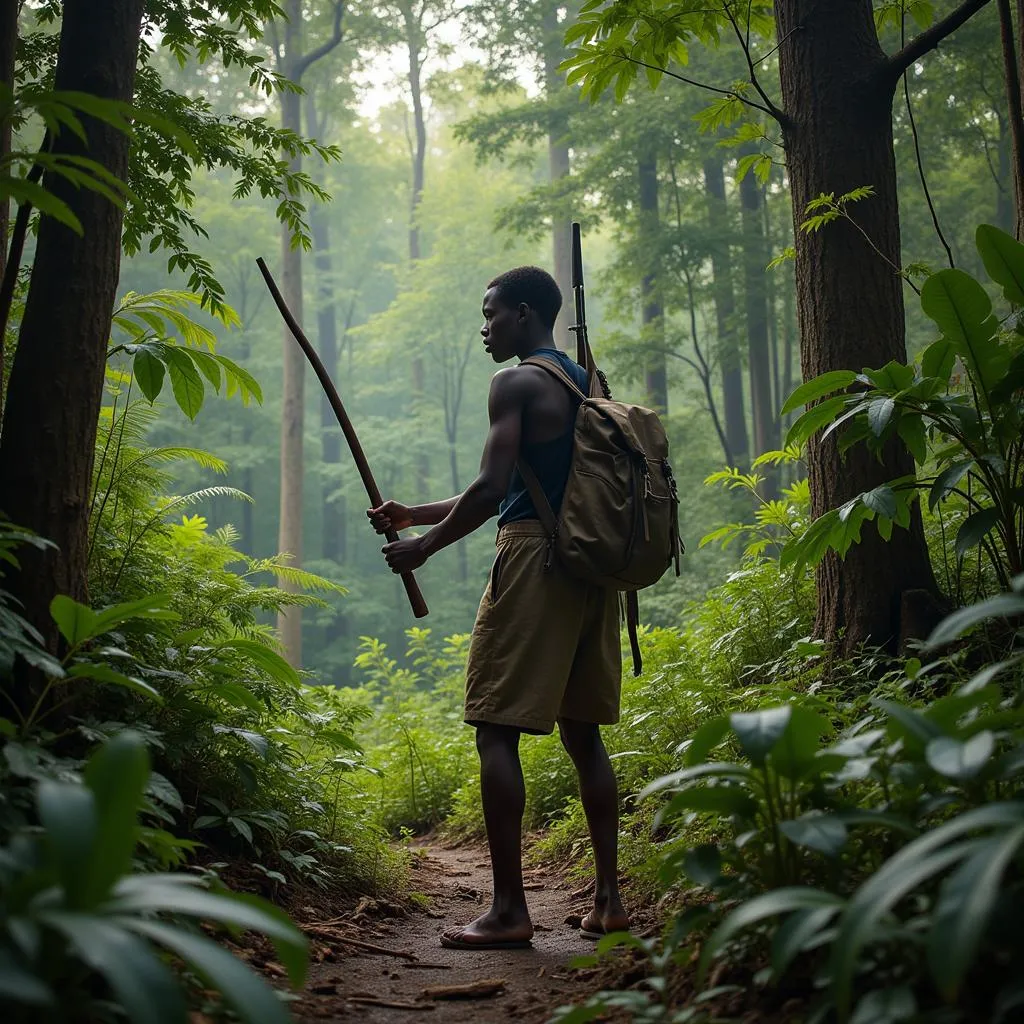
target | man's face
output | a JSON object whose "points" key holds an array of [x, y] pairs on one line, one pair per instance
{"points": [[501, 330]]}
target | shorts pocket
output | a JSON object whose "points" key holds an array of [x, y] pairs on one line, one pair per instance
{"points": [[499, 559]]}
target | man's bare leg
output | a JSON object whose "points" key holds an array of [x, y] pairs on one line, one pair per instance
{"points": [[504, 800], [600, 797]]}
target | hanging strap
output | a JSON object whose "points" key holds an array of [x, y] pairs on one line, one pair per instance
{"points": [[556, 371], [632, 620]]}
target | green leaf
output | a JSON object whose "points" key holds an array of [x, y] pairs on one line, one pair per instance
{"points": [[794, 934], [68, 813], [955, 625], [145, 988], [724, 800], [706, 738], [186, 383], [243, 990], [117, 774], [152, 606], [797, 749], [1003, 257], [962, 910], [834, 380], [818, 416], [881, 500], [880, 412], [713, 769], [938, 359], [974, 529], [770, 904], [149, 373], [947, 480], [963, 311], [268, 660], [894, 376], [821, 832], [911, 725], [960, 760], [911, 427], [703, 864], [21, 986], [105, 674], [76, 622], [885, 1006], [759, 731]]}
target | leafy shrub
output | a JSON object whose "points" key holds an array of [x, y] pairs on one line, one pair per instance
{"points": [[79, 931]]}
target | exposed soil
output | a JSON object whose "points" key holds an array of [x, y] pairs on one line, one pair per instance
{"points": [[455, 885]]}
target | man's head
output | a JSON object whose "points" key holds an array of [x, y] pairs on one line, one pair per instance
{"points": [[519, 307]]}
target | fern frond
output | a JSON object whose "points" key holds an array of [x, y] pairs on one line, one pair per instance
{"points": [[183, 501], [175, 453]]}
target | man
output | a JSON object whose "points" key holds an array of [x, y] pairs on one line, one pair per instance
{"points": [[545, 647]]}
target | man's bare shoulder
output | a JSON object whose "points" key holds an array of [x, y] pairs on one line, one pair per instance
{"points": [[519, 381]]}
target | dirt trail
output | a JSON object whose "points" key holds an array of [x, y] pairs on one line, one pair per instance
{"points": [[457, 884]]}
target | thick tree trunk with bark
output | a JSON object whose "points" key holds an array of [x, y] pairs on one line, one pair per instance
{"points": [[755, 301], [651, 311], [1011, 78], [56, 384], [558, 168], [725, 312], [838, 94]]}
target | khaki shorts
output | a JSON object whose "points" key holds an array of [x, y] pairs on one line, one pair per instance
{"points": [[544, 646]]}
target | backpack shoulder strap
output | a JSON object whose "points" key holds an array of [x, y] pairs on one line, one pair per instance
{"points": [[542, 506], [556, 371]]}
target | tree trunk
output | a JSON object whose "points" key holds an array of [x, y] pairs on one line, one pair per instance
{"points": [[460, 547], [1011, 75], [56, 384], [293, 385], [8, 49], [652, 313], [414, 41], [725, 312], [838, 135], [755, 300], [558, 168], [1004, 215]]}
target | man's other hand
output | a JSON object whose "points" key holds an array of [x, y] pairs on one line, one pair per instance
{"points": [[390, 516], [405, 555]]}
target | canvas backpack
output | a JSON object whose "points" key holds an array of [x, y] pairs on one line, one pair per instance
{"points": [[618, 526]]}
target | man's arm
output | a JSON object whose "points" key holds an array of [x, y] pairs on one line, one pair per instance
{"points": [[480, 500]]}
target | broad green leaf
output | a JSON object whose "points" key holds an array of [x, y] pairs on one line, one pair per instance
{"points": [[955, 625], [186, 383], [706, 738], [269, 660], [117, 774], [894, 376], [149, 373], [915, 729], [881, 500], [759, 731], [105, 674], [145, 988], [703, 864], [770, 904], [76, 622], [68, 813], [911, 428], [818, 416], [958, 759], [885, 1006], [714, 769], [938, 359], [974, 529], [797, 749], [724, 800], [822, 832], [835, 380], [153, 606], [914, 865], [243, 990], [800, 928], [962, 910], [19, 986], [880, 412], [947, 480], [963, 311], [1003, 257]]}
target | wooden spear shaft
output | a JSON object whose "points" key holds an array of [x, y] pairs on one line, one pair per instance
{"points": [[419, 606]]}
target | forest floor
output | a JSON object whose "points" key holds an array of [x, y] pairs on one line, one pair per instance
{"points": [[450, 886]]}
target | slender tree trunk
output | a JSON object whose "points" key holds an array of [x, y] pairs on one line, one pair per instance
{"points": [[1004, 215], [725, 311], [771, 301], [838, 135], [453, 465], [652, 312], [414, 44], [293, 385], [8, 48], [1011, 73], [756, 309], [558, 168], [56, 383]]}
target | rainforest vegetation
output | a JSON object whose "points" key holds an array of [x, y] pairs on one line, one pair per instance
{"points": [[801, 228]]}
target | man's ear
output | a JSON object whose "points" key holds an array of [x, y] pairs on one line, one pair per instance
{"points": [[524, 312]]}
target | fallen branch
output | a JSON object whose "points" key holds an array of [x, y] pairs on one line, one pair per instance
{"points": [[483, 989], [420, 965], [389, 1004], [369, 947]]}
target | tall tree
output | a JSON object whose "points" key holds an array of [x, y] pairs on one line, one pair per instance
{"points": [[652, 311], [725, 311], [293, 62], [60, 360], [837, 87], [8, 50]]}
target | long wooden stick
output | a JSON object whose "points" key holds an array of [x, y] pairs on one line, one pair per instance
{"points": [[419, 606]]}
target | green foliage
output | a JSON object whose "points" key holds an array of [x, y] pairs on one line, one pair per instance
{"points": [[959, 412], [79, 929]]}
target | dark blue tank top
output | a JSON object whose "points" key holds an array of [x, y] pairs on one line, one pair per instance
{"points": [[550, 460]]}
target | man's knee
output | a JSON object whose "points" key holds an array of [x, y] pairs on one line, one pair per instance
{"points": [[491, 737], [580, 739]]}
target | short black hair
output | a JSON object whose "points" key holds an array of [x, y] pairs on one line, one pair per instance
{"points": [[533, 286]]}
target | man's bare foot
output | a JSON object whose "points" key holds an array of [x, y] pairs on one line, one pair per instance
{"points": [[492, 930], [604, 919]]}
